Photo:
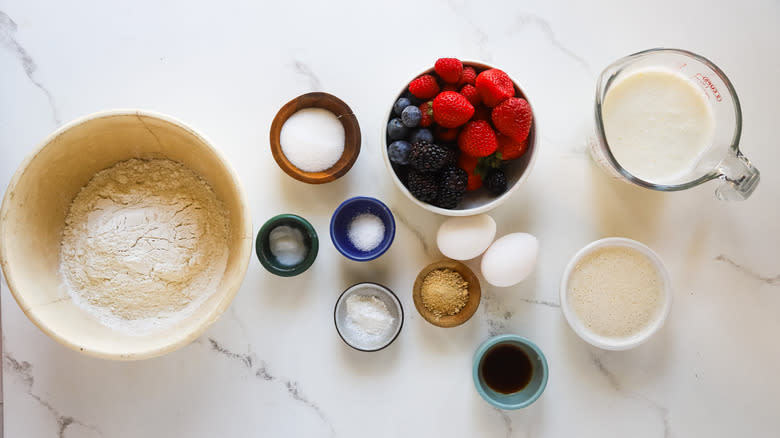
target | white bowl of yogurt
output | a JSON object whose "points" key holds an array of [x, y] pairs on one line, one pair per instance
{"points": [[616, 293]]}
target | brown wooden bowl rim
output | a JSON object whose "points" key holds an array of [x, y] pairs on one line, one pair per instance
{"points": [[475, 294], [348, 121]]}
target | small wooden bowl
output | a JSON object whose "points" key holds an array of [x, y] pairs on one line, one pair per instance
{"points": [[475, 293], [351, 136]]}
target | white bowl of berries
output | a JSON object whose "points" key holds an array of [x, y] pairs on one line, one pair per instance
{"points": [[460, 138]]}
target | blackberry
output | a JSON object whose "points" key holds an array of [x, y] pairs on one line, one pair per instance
{"points": [[402, 172], [452, 186], [422, 185], [495, 181], [427, 157], [452, 156]]}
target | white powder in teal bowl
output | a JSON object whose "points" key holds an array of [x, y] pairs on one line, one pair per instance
{"points": [[287, 245]]}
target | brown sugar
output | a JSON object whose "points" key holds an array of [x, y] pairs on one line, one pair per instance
{"points": [[444, 292]]}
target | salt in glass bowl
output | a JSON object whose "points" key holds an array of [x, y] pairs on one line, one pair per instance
{"points": [[393, 306]]}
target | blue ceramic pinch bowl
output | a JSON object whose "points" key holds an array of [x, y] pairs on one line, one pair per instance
{"points": [[531, 392], [343, 216]]}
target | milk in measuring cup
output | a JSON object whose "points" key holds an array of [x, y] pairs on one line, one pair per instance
{"points": [[658, 125]]}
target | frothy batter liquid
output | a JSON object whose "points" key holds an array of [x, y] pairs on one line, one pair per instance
{"points": [[658, 125]]}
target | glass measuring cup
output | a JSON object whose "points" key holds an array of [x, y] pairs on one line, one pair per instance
{"points": [[722, 160]]}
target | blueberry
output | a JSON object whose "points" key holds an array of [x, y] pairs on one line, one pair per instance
{"points": [[411, 116], [400, 104], [398, 151], [421, 134], [396, 130]]}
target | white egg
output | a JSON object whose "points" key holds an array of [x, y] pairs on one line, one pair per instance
{"points": [[510, 259], [463, 238]]}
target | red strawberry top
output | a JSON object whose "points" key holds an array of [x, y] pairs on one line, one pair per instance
{"points": [[449, 69], [513, 118], [468, 76], [477, 139], [451, 109], [424, 87], [426, 113], [510, 148], [471, 94], [494, 86]]}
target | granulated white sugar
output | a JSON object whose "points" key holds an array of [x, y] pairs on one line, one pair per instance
{"points": [[312, 139]]}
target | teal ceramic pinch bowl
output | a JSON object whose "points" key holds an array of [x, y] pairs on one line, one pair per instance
{"points": [[263, 247], [525, 396]]}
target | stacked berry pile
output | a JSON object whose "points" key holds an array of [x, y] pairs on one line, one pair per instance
{"points": [[453, 130]]}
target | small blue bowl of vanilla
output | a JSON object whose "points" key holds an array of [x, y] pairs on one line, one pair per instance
{"points": [[362, 228]]}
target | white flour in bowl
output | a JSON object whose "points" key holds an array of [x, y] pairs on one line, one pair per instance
{"points": [[145, 243]]}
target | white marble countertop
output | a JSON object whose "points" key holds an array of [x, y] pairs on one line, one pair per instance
{"points": [[273, 365]]}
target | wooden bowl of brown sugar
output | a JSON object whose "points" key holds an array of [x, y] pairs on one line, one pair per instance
{"points": [[446, 293]]}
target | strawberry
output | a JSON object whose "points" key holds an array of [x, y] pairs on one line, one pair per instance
{"points": [[469, 164], [513, 117], [468, 76], [510, 148], [424, 87], [477, 139], [470, 93], [448, 69], [481, 112], [449, 87], [445, 134], [494, 86], [450, 109], [426, 110]]}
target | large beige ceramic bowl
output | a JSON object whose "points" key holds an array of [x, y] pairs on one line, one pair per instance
{"points": [[33, 216]]}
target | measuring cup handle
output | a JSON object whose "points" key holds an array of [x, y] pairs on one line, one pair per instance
{"points": [[739, 178]]}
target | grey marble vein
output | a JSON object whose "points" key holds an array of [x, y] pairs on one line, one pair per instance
{"points": [[303, 69], [23, 370], [771, 281], [481, 36], [239, 322], [609, 375], [507, 422], [246, 359], [417, 233], [8, 30], [262, 372], [544, 26], [540, 302], [296, 394], [614, 383]]}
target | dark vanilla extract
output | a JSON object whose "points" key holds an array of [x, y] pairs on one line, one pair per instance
{"points": [[506, 368]]}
